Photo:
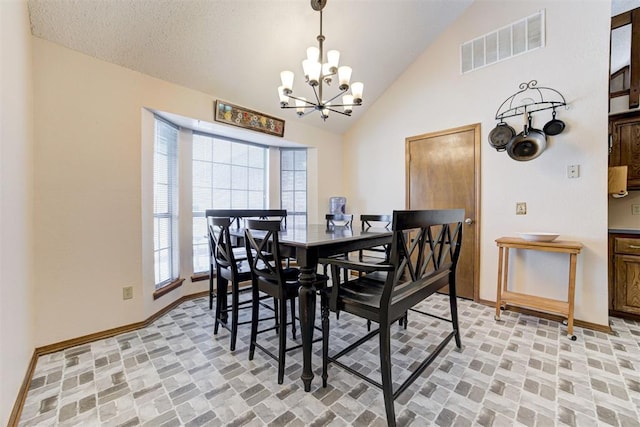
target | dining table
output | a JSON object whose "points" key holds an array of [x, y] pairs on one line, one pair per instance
{"points": [[307, 244]]}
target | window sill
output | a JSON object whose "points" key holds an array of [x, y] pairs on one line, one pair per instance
{"points": [[198, 277], [167, 288]]}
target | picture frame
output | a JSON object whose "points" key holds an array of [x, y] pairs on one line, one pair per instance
{"points": [[225, 112]]}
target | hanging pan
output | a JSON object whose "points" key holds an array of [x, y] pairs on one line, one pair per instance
{"points": [[554, 126], [528, 144], [500, 136]]}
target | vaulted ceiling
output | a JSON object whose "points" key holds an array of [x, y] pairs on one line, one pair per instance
{"points": [[234, 50]]}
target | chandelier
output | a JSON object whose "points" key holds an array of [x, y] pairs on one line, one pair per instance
{"points": [[319, 75]]}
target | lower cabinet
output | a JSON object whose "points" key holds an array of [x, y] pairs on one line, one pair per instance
{"points": [[626, 274]]}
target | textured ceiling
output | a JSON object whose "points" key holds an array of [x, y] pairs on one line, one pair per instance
{"points": [[235, 49]]}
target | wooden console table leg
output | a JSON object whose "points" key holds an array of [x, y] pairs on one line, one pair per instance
{"points": [[499, 287], [505, 271], [572, 291]]}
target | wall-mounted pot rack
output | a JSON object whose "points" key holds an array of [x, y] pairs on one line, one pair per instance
{"points": [[529, 99]]}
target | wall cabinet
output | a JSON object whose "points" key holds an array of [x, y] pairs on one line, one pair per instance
{"points": [[624, 290], [624, 150]]}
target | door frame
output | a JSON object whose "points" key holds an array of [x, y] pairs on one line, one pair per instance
{"points": [[477, 199]]}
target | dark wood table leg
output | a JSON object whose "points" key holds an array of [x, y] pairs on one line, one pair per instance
{"points": [[307, 318]]}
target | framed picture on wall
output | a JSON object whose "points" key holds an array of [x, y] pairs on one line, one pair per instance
{"points": [[230, 114]]}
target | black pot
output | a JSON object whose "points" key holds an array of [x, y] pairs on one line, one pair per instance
{"points": [[554, 126], [500, 136]]}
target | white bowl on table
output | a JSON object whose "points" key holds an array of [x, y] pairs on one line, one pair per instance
{"points": [[539, 236]]}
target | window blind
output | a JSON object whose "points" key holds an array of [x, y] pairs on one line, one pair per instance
{"points": [[165, 203]]}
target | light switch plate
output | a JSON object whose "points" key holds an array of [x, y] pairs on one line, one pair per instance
{"points": [[521, 208], [573, 171], [635, 209]]}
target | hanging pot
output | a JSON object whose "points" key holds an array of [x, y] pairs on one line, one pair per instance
{"points": [[528, 144], [554, 126], [500, 136]]}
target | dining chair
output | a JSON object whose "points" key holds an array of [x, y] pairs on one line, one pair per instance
{"points": [[231, 266], [377, 253], [269, 276], [214, 234], [424, 253], [273, 214], [238, 216], [339, 220]]}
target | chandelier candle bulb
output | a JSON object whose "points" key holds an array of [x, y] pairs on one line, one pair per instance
{"points": [[284, 99], [306, 68], [347, 100], [300, 104], [287, 81], [357, 89], [314, 73], [325, 111], [313, 54], [333, 57], [344, 75]]}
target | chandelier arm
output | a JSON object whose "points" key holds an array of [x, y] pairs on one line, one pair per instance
{"points": [[306, 112], [311, 104], [338, 111], [337, 96], [303, 106], [318, 95]]}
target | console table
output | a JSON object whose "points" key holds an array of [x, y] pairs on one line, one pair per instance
{"points": [[504, 297]]}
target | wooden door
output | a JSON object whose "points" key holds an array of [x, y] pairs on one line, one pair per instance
{"points": [[443, 172]]}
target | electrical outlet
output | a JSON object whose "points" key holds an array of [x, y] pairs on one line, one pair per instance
{"points": [[521, 208], [127, 292], [635, 209], [573, 171]]}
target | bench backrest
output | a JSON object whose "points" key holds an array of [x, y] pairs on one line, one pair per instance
{"points": [[424, 253]]}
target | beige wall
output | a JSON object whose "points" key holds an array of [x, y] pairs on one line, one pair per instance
{"points": [[93, 189], [16, 193], [432, 95]]}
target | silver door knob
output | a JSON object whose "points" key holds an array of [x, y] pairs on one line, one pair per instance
{"points": [[468, 221]]}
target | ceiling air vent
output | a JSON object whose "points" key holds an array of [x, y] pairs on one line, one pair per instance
{"points": [[514, 39]]}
